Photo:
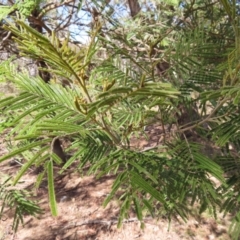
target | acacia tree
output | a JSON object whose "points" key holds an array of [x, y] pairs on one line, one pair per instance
{"points": [[104, 92]]}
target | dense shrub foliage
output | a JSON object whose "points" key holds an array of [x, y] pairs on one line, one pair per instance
{"points": [[172, 63]]}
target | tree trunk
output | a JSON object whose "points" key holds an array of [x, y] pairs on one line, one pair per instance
{"points": [[45, 75], [134, 7]]}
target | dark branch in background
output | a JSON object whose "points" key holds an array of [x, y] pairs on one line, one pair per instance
{"points": [[134, 7], [51, 6], [39, 23], [36, 24], [11, 2], [67, 19]]}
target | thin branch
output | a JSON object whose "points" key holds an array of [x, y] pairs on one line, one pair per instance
{"points": [[49, 7], [206, 119], [68, 18]]}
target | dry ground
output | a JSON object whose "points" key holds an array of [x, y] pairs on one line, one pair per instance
{"points": [[81, 215]]}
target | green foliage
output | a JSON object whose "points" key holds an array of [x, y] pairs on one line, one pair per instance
{"points": [[188, 72], [4, 11], [51, 189], [26, 7], [16, 200]]}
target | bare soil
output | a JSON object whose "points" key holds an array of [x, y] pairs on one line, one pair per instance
{"points": [[81, 215]]}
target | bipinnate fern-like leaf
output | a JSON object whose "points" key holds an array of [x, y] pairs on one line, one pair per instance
{"points": [[51, 189], [17, 200], [101, 109]]}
